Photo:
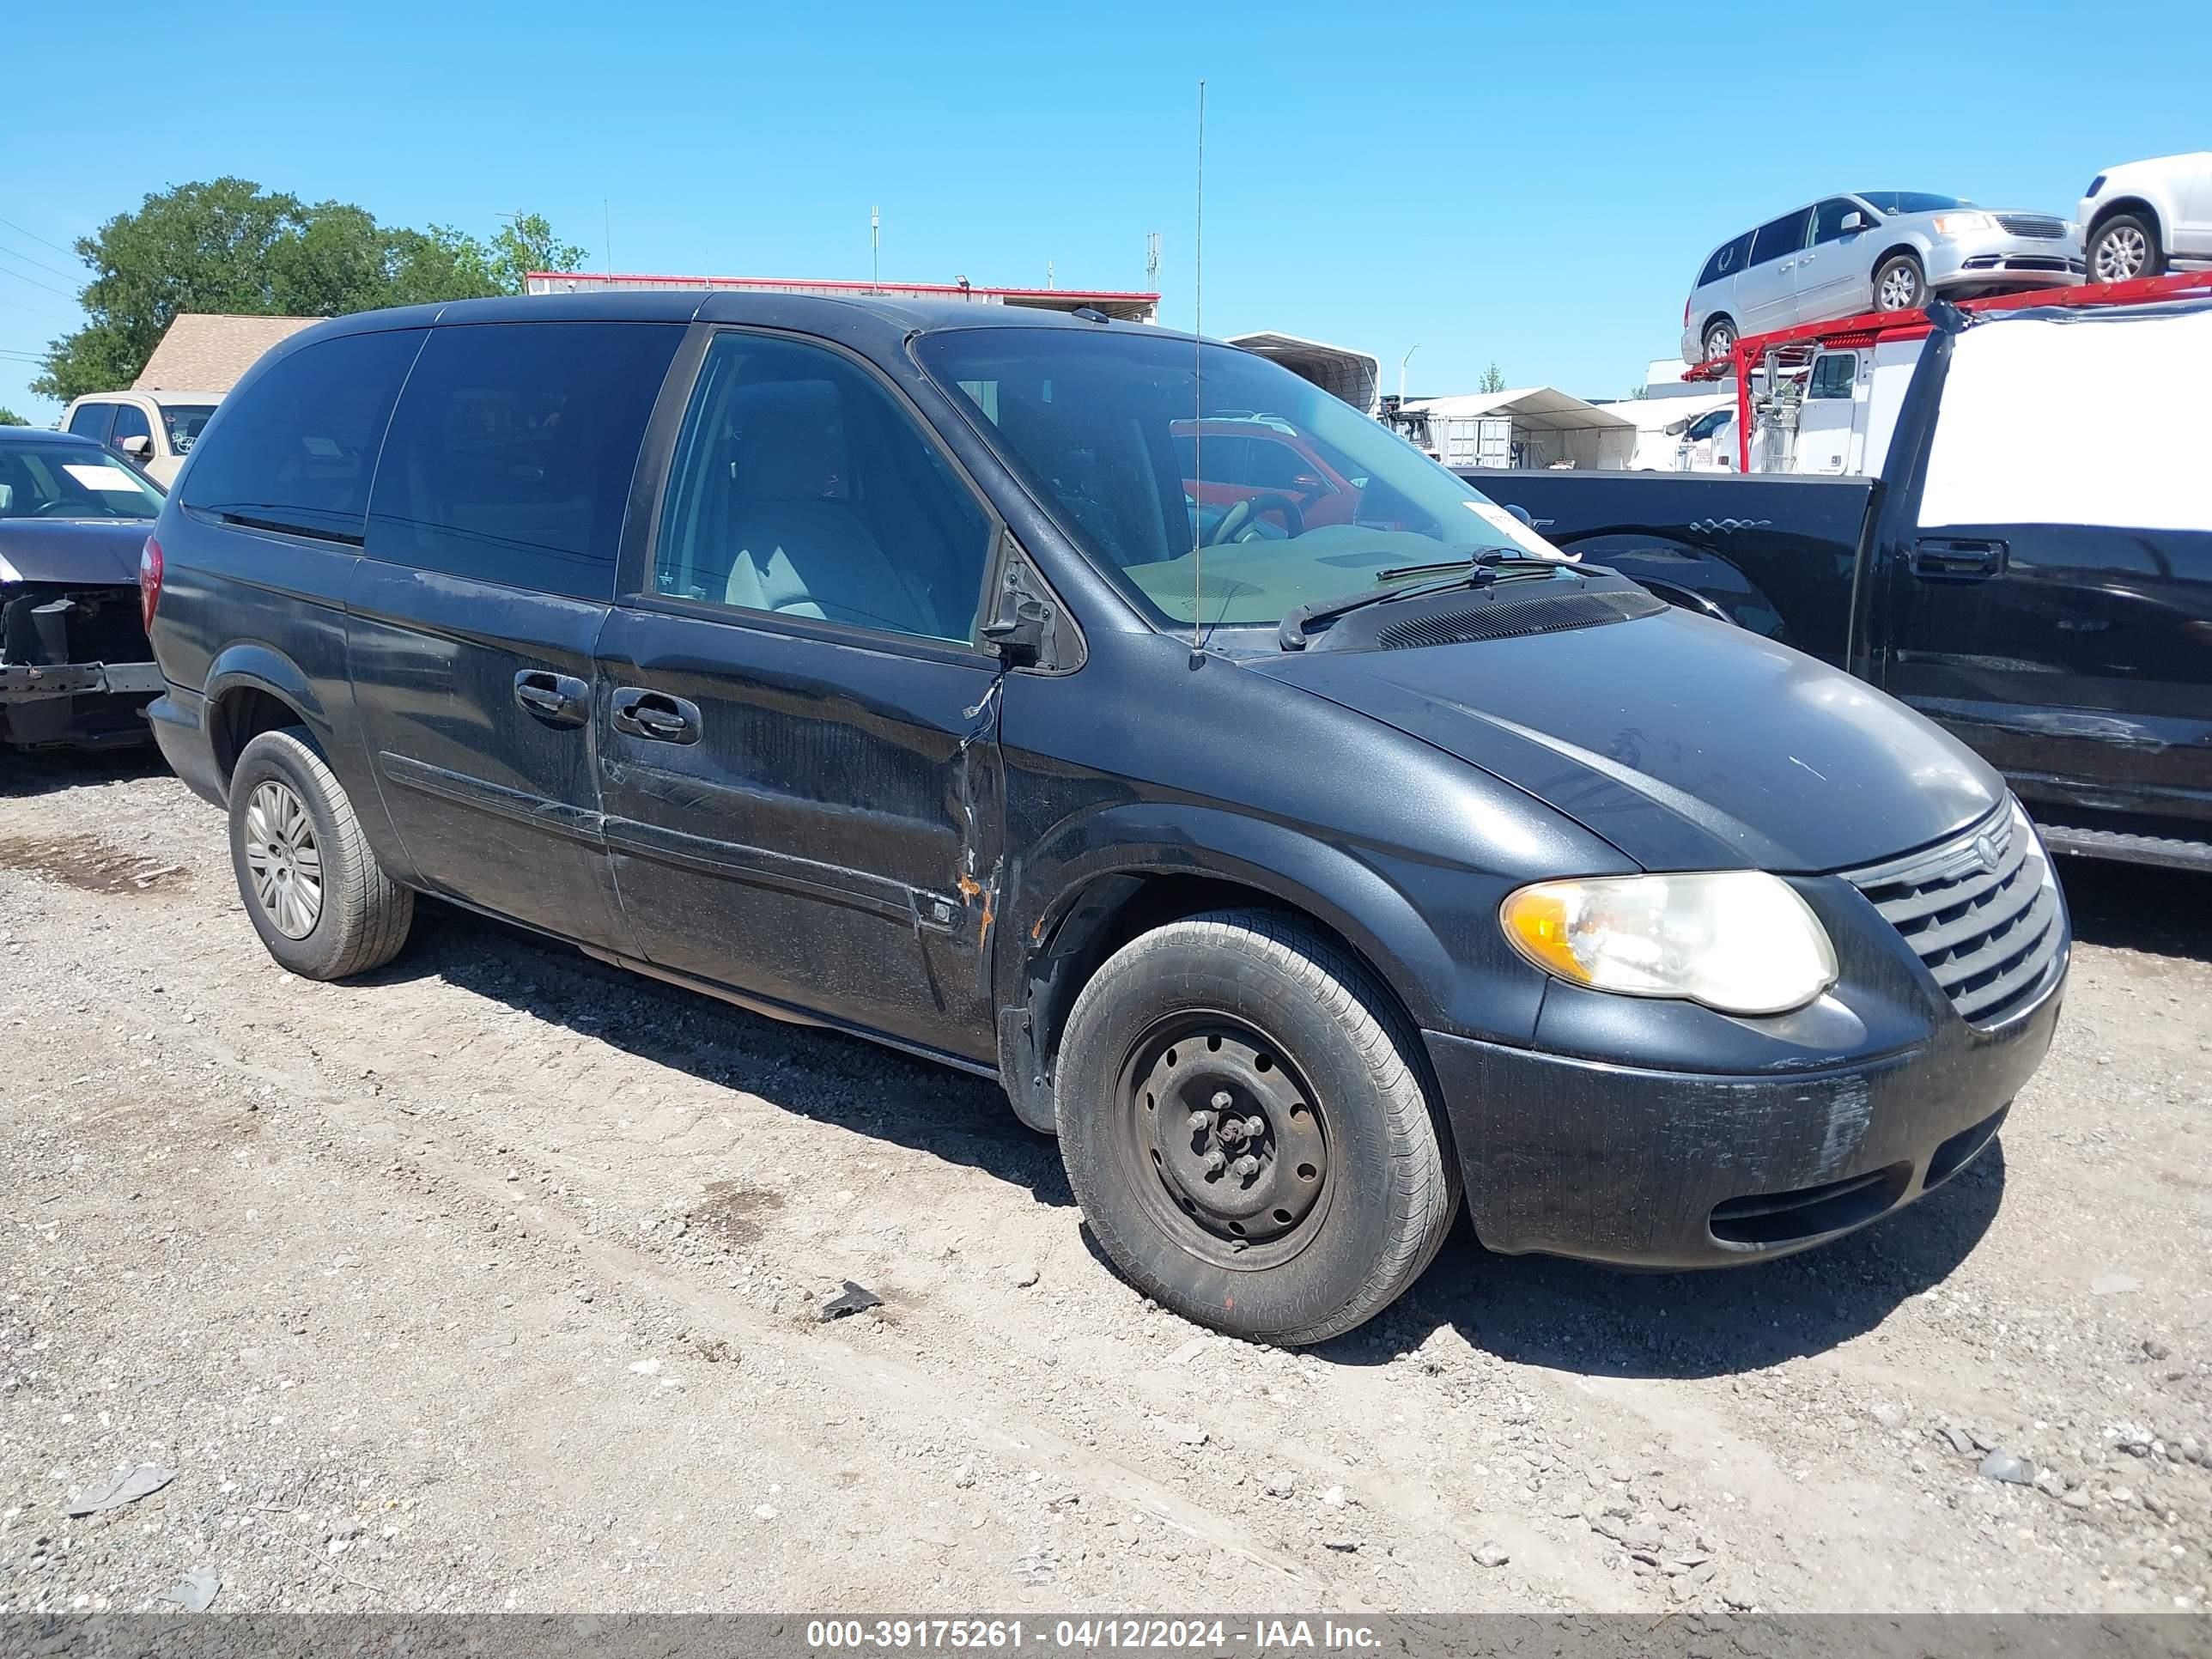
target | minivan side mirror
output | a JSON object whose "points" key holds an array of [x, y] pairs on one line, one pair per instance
{"points": [[1854, 220], [1026, 623]]}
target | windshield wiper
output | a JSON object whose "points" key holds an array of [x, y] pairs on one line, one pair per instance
{"points": [[1481, 556], [1291, 635]]}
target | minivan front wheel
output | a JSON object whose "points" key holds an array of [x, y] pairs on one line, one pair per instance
{"points": [[1244, 1122], [313, 889], [1899, 284]]}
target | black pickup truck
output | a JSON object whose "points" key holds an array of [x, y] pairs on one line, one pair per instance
{"points": [[2055, 613]]}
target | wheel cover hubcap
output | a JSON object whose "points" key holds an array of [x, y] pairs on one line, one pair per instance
{"points": [[282, 859], [2120, 254], [1229, 1148]]}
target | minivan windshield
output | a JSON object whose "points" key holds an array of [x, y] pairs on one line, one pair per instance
{"points": [[1894, 202], [1212, 485], [70, 479]]}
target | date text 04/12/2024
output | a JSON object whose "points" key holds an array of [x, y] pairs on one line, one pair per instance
{"points": [[1257, 1637]]}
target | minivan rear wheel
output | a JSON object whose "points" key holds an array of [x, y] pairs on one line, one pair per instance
{"points": [[1719, 339], [1243, 1118], [313, 889]]}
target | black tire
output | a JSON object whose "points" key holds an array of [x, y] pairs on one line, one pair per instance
{"points": [[361, 916], [1910, 278], [2123, 246], [1717, 330], [1347, 1075]]}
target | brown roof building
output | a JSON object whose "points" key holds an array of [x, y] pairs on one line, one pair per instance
{"points": [[205, 352]]}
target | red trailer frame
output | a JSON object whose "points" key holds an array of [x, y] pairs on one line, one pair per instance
{"points": [[1870, 326]]}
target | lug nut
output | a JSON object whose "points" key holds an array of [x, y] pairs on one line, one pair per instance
{"points": [[1255, 1126], [1222, 1101], [1201, 1120], [1245, 1166], [1214, 1160]]}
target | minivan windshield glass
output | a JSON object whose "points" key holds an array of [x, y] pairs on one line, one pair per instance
{"points": [[67, 480], [1213, 485], [1894, 202]]}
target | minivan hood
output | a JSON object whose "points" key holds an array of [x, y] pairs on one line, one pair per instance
{"points": [[1686, 743], [95, 552]]}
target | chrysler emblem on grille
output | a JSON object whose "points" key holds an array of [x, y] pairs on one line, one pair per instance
{"points": [[1986, 851]]}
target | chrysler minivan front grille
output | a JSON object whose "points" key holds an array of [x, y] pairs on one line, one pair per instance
{"points": [[2040, 225], [1981, 911]]}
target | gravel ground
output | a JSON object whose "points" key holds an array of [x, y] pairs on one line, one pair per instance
{"points": [[492, 1282]]}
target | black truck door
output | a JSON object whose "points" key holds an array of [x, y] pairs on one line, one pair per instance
{"points": [[493, 532], [797, 731], [2051, 601], [2075, 658]]}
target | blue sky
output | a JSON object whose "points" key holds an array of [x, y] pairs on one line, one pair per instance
{"points": [[1533, 186]]}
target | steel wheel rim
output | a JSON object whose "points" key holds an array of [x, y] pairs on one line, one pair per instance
{"points": [[1898, 289], [1189, 1175], [282, 860], [2121, 254]]}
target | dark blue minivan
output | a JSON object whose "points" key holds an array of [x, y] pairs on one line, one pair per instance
{"points": [[1292, 831]]}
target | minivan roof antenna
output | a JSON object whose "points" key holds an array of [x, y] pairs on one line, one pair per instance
{"points": [[1197, 393]]}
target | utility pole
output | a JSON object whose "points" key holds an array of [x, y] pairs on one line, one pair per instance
{"points": [[875, 247], [1402, 362]]}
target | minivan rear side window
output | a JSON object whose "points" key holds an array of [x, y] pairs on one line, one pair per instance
{"points": [[295, 449], [510, 455], [1726, 261]]}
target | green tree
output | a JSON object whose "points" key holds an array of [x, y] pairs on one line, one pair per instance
{"points": [[10, 417], [526, 243], [1492, 380], [226, 244]]}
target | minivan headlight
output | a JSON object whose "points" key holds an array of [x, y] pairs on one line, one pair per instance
{"points": [[1958, 224], [1741, 941]]}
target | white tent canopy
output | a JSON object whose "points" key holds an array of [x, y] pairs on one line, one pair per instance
{"points": [[1549, 426], [1351, 375]]}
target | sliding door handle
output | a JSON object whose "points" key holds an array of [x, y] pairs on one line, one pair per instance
{"points": [[655, 715]]}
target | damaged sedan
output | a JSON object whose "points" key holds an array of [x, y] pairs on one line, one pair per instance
{"points": [[75, 670], [1317, 858]]}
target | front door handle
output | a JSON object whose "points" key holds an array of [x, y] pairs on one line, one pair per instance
{"points": [[556, 699], [655, 715], [1945, 558]]}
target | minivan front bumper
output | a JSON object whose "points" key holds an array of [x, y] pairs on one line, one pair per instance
{"points": [[1658, 1169], [1998, 258]]}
